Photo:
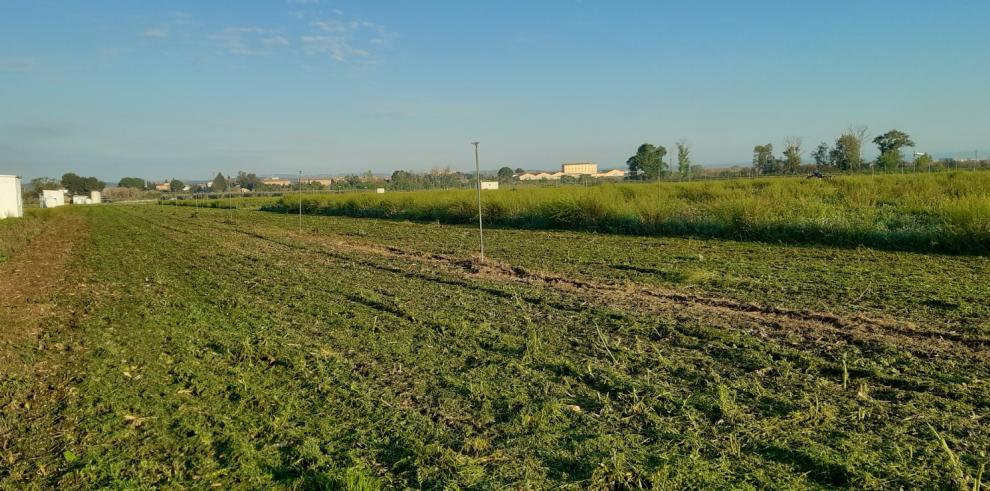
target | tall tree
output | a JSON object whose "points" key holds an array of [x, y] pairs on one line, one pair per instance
{"points": [[763, 161], [39, 184], [219, 182], [923, 161], [404, 180], [846, 154], [648, 161], [248, 181], [131, 182], [176, 185], [505, 174], [890, 145], [77, 184], [792, 154], [684, 158], [821, 155], [72, 182]]}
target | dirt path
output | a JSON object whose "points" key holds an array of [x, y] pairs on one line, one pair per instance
{"points": [[28, 279]]}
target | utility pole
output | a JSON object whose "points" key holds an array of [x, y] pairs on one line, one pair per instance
{"points": [[300, 202], [477, 173]]}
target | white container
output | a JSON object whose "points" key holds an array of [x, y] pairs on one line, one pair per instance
{"points": [[11, 201], [80, 200], [95, 197], [380, 190], [489, 185], [51, 198]]}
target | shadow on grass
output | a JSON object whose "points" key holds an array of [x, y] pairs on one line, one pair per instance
{"points": [[828, 474]]}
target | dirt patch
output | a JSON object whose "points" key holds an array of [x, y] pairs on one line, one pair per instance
{"points": [[773, 321], [26, 280]]}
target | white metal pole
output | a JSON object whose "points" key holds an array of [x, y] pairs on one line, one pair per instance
{"points": [[481, 229], [300, 202]]}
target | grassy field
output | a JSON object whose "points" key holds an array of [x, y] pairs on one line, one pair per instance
{"points": [[17, 233], [222, 348], [944, 212]]}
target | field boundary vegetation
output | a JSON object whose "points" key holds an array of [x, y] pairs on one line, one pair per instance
{"points": [[943, 212]]}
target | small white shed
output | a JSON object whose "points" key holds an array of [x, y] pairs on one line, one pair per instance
{"points": [[51, 198], [380, 190], [11, 200], [490, 185], [95, 197]]}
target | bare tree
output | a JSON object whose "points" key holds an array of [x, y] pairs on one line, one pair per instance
{"points": [[861, 132], [792, 153], [684, 158]]}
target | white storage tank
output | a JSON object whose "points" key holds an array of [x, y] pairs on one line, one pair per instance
{"points": [[11, 200], [51, 198], [95, 197]]}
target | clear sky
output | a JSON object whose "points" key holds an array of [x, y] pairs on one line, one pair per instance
{"points": [[186, 88]]}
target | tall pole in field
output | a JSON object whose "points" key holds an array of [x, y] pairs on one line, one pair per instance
{"points": [[477, 173], [300, 202]]}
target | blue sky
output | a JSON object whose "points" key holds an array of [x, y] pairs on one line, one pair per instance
{"points": [[188, 88]]}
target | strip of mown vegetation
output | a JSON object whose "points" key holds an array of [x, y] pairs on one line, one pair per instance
{"points": [[945, 212], [16, 233], [936, 291], [210, 351]]}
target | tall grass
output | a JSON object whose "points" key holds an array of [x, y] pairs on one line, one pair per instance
{"points": [[947, 212]]}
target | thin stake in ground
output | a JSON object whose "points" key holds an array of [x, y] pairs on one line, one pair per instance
{"points": [[477, 173]]}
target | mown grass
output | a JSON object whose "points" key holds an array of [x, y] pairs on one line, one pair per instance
{"points": [[935, 290], [15, 233], [946, 212], [209, 351]]}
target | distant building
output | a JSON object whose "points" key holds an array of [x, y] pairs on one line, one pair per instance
{"points": [[579, 168], [11, 200], [572, 170], [276, 181], [163, 186], [536, 176], [614, 173], [323, 181], [95, 197], [489, 185]]}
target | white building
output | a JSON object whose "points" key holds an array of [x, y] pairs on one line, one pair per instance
{"points": [[490, 185], [11, 200], [51, 198], [579, 168], [95, 197]]}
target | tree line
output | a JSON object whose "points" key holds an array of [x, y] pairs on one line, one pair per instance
{"points": [[71, 182], [845, 153], [648, 162]]}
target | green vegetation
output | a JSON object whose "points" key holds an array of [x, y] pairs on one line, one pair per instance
{"points": [[944, 212], [16, 233], [132, 182], [76, 184], [218, 348], [648, 162]]}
